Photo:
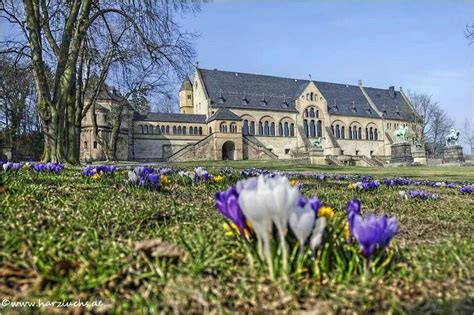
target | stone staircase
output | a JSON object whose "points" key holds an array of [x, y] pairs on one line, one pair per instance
{"points": [[371, 162], [332, 139], [253, 142], [189, 149], [331, 160], [389, 137]]}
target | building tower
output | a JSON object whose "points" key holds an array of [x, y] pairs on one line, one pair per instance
{"points": [[186, 97]]}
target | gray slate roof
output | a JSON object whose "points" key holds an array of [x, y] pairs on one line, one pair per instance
{"points": [[390, 107], [347, 100], [244, 90], [171, 117], [186, 85], [224, 113]]}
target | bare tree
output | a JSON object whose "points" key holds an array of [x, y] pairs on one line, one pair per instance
{"points": [[469, 32], [167, 104], [435, 122], [80, 39]]}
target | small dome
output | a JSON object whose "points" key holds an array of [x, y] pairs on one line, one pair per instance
{"points": [[186, 85]]}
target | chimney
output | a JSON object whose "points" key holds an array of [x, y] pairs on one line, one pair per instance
{"points": [[391, 91], [360, 82]]}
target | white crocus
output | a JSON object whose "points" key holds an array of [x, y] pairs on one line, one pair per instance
{"points": [[317, 236], [265, 201], [302, 222]]}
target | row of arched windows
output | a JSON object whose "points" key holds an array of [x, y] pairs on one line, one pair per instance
{"points": [[354, 132], [166, 130], [268, 128], [223, 127]]}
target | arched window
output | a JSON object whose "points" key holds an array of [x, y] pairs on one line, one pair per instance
{"points": [[311, 113], [195, 130], [311, 96], [260, 128], [266, 129], [366, 133], [141, 129], [163, 129], [317, 113], [280, 129], [146, 129], [272, 129], [245, 127], [371, 133], [376, 136], [287, 130], [184, 130], [167, 130], [312, 129], [179, 130], [252, 128], [233, 127], [320, 128], [354, 133], [338, 132], [150, 129], [292, 130], [95, 144], [332, 129], [85, 144], [350, 133], [174, 130], [223, 127], [306, 129], [343, 132], [200, 130], [360, 133], [306, 112], [191, 130]]}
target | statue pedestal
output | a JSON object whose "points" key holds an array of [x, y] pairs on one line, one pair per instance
{"points": [[316, 156], [453, 154], [401, 154], [419, 156]]}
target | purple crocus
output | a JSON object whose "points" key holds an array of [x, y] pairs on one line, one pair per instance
{"points": [[353, 209], [372, 231], [227, 202], [467, 190], [153, 179], [11, 166]]}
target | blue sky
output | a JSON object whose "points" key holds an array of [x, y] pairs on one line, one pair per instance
{"points": [[419, 45]]}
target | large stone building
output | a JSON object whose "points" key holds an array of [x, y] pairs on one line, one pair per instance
{"points": [[233, 115]]}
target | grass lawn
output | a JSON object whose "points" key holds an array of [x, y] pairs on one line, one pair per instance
{"points": [[68, 237]]}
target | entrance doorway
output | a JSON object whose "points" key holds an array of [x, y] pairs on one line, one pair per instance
{"points": [[228, 150]]}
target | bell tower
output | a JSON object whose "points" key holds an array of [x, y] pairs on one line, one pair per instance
{"points": [[186, 97]]}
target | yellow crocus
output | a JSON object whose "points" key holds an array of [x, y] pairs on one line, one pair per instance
{"points": [[218, 179], [164, 181], [345, 230], [96, 176], [293, 182], [326, 211]]}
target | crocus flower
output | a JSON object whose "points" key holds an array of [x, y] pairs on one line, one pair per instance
{"points": [[200, 174], [301, 222], [467, 190], [227, 202], [272, 200], [11, 166], [353, 209], [371, 231], [317, 236]]}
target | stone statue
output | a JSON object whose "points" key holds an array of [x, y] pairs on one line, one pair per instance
{"points": [[318, 142], [401, 134], [452, 137], [418, 143]]}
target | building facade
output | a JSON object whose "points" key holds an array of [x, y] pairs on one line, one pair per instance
{"points": [[234, 116]]}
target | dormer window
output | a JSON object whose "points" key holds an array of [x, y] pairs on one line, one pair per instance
{"points": [[263, 102], [335, 108], [244, 100], [221, 98], [285, 103], [353, 108]]}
